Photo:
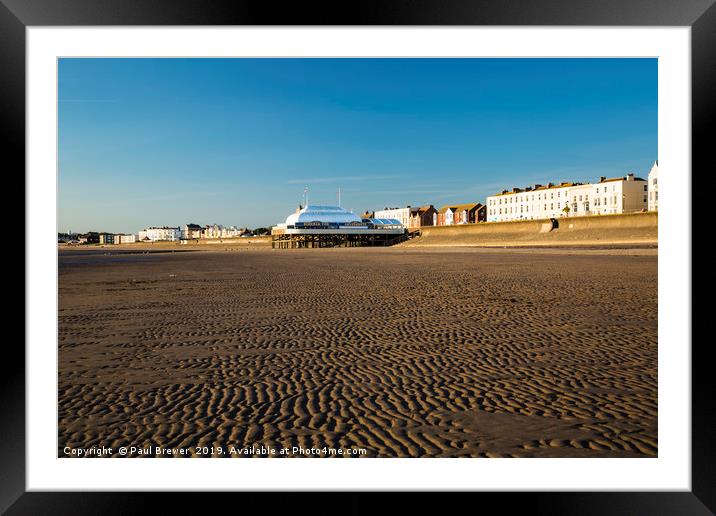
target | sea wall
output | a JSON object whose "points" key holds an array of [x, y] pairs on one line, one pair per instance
{"points": [[623, 229]]}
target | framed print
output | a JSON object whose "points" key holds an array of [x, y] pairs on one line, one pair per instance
{"points": [[435, 238]]}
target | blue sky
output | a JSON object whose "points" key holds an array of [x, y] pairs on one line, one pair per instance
{"points": [[234, 141]]}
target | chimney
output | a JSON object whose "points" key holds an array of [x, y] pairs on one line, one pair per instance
{"points": [[602, 179], [630, 177]]}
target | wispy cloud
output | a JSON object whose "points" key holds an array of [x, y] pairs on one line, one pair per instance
{"points": [[337, 179], [160, 198]]}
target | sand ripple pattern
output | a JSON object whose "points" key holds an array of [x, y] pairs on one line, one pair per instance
{"points": [[406, 353]]}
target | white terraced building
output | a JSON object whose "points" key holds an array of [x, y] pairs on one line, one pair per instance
{"points": [[608, 196], [653, 180], [156, 234], [401, 214]]}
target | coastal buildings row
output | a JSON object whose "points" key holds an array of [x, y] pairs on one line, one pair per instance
{"points": [[624, 194], [627, 194], [159, 234], [413, 217], [191, 232]]}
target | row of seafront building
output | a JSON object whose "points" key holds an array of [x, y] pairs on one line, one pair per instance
{"points": [[626, 194], [608, 196], [191, 232], [159, 234], [419, 216]]}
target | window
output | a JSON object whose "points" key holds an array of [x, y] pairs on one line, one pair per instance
{"points": [[645, 188], [645, 198]]}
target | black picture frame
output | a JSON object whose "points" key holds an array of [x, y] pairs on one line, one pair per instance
{"points": [[700, 15]]}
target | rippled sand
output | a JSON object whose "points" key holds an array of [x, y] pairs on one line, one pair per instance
{"points": [[405, 353]]}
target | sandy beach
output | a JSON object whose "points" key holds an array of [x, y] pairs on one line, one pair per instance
{"points": [[402, 352]]}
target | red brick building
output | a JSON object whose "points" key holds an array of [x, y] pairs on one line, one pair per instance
{"points": [[422, 216], [468, 213]]}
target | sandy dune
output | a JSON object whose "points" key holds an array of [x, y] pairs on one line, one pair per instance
{"points": [[403, 352]]}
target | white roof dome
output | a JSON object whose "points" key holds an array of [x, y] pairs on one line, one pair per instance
{"points": [[315, 213]]}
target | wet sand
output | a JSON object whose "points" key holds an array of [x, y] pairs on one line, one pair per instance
{"points": [[402, 352]]}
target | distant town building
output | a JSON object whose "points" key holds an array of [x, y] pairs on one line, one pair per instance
{"points": [[232, 232], [654, 187], [125, 239], [156, 234], [218, 231], [116, 238], [211, 231], [399, 214], [469, 213], [106, 238], [91, 238], [422, 216], [368, 215], [608, 196], [191, 231]]}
